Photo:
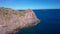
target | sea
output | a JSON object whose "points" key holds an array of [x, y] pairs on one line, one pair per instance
{"points": [[49, 22]]}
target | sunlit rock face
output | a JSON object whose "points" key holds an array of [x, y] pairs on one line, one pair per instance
{"points": [[11, 21]]}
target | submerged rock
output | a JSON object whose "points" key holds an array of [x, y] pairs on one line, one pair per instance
{"points": [[11, 21]]}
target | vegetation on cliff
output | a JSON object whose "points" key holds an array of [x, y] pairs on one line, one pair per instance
{"points": [[7, 12]]}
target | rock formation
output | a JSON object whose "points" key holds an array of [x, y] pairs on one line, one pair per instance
{"points": [[11, 21]]}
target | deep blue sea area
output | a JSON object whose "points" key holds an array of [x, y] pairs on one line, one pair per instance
{"points": [[49, 22]]}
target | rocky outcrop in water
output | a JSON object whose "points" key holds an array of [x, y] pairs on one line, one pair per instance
{"points": [[11, 21]]}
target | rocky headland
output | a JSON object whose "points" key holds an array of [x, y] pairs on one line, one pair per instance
{"points": [[11, 21]]}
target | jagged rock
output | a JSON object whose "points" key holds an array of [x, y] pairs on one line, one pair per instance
{"points": [[11, 21]]}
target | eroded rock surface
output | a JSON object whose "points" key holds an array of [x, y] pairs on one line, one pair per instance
{"points": [[11, 21]]}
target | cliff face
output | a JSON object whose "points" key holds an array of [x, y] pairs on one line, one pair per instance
{"points": [[11, 21]]}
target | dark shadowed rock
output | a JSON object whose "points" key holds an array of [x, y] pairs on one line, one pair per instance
{"points": [[11, 21]]}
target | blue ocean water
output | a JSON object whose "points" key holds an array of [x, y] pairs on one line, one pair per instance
{"points": [[50, 22]]}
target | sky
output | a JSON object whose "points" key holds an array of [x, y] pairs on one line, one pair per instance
{"points": [[30, 4]]}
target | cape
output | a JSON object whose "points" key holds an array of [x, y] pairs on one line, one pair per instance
{"points": [[12, 21]]}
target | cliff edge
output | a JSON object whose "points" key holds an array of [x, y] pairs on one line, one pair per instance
{"points": [[11, 21]]}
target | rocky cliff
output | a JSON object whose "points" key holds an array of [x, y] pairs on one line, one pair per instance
{"points": [[11, 21]]}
